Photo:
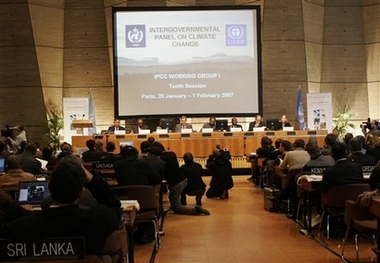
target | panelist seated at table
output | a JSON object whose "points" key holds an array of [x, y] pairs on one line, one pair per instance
{"points": [[139, 126], [283, 123], [234, 125], [257, 123], [210, 125], [183, 124], [116, 126]]}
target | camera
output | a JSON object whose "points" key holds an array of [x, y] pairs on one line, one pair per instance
{"points": [[366, 125]]}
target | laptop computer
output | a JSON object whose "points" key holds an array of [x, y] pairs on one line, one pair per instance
{"points": [[2, 165], [32, 192]]}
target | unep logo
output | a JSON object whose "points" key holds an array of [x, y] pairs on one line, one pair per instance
{"points": [[236, 35], [135, 35]]}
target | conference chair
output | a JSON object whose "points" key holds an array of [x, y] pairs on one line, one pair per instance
{"points": [[115, 249], [333, 202], [148, 198], [360, 220]]}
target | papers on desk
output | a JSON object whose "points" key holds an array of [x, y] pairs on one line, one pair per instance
{"points": [[127, 203], [309, 178]]}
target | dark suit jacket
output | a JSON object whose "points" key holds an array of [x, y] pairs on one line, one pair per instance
{"points": [[252, 125], [237, 126], [112, 128], [193, 172], [342, 173], [135, 128], [92, 156], [30, 164], [131, 171]]}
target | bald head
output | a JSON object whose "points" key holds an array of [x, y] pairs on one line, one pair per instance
{"points": [[13, 162]]}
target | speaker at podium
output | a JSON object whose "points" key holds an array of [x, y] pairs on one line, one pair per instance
{"points": [[79, 125]]}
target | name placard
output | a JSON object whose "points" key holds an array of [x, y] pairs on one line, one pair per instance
{"points": [[40, 249], [102, 166]]}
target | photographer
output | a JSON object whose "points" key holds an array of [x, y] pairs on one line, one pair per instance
{"points": [[371, 126]]}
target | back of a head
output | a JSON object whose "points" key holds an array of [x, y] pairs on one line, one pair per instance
{"points": [[338, 151], [145, 146], [312, 148], [348, 137], [13, 162], [277, 143], [355, 145], [47, 153], [67, 180], [299, 143], [266, 141], [66, 147], [110, 146], [151, 139], [129, 152], [188, 158], [287, 145], [330, 139], [90, 144], [361, 138], [155, 150], [373, 140], [30, 148], [158, 144]]}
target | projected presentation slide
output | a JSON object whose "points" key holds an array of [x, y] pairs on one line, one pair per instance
{"points": [[194, 62]]}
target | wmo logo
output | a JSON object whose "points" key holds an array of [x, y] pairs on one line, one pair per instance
{"points": [[135, 36]]}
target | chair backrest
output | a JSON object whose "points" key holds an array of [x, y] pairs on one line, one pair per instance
{"points": [[353, 211], [116, 247], [337, 196], [146, 195]]}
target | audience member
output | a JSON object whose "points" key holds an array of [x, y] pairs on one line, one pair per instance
{"points": [[193, 171], [110, 157], [256, 124], [374, 179], [28, 162], [91, 155], [116, 126], [329, 140], [65, 218], [177, 182], [155, 161], [343, 172], [10, 180], [139, 126], [48, 154], [368, 162], [346, 140], [144, 149], [183, 124], [211, 124], [220, 169], [317, 160], [133, 171], [364, 143], [235, 125], [284, 122], [296, 159], [374, 147], [261, 152]]}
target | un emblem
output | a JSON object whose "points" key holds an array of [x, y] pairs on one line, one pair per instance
{"points": [[135, 35]]}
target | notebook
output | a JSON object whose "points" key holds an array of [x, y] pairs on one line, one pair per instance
{"points": [[2, 165], [32, 192]]}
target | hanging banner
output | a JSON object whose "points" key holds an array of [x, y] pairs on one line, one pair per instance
{"points": [[74, 109], [319, 111]]}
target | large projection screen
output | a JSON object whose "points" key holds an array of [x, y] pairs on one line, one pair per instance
{"points": [[197, 61]]}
